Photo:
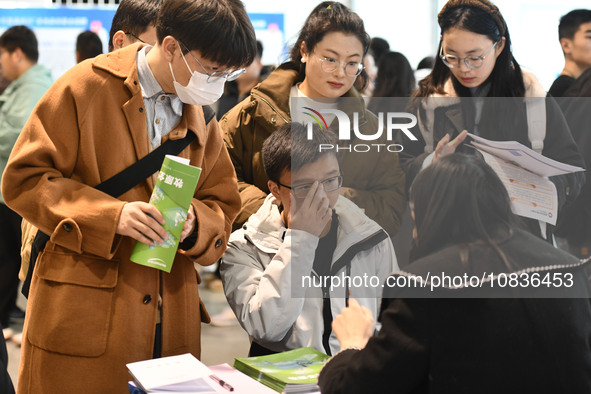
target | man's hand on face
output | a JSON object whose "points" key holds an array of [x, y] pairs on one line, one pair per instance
{"points": [[311, 214]]}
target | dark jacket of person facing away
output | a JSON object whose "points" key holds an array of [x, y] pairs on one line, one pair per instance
{"points": [[513, 315], [484, 345]]}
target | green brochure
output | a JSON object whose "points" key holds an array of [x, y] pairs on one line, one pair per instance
{"points": [[291, 371], [172, 196]]}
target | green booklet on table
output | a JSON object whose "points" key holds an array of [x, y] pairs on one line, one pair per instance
{"points": [[290, 372], [172, 196]]}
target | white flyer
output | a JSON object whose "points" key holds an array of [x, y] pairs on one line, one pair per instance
{"points": [[531, 195]]}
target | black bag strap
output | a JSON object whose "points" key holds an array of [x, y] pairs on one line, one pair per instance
{"points": [[122, 182], [149, 164], [145, 167], [116, 186]]}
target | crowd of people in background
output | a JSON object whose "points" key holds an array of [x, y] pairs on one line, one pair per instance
{"points": [[28, 82], [271, 207]]}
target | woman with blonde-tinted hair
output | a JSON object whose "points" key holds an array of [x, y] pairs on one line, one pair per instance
{"points": [[325, 67]]}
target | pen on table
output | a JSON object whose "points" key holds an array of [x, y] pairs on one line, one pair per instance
{"points": [[222, 383]]}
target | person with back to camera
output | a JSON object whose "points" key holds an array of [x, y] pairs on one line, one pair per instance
{"points": [[91, 309], [424, 68], [395, 79], [304, 229], [475, 64], [326, 61], [88, 45], [527, 338], [379, 47]]}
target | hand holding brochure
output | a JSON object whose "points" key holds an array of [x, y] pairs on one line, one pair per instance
{"points": [[532, 196], [524, 157], [172, 196], [524, 173]]}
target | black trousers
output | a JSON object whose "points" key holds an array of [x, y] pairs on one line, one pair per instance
{"points": [[157, 352], [10, 260], [5, 382], [259, 350]]}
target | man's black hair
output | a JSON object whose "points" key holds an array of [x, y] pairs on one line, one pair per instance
{"points": [[379, 47], [259, 49], [288, 148], [21, 37], [88, 45], [570, 23], [219, 29], [134, 17]]}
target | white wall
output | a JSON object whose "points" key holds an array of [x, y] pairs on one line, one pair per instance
{"points": [[409, 27]]}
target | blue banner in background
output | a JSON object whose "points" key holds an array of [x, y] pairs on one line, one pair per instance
{"points": [[83, 18], [57, 28], [270, 30], [266, 21]]}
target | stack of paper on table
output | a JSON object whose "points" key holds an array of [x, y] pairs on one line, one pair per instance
{"points": [[179, 374], [185, 374], [293, 371]]}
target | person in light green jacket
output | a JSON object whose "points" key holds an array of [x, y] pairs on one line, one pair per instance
{"points": [[29, 81]]}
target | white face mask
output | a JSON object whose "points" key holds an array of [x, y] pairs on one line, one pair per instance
{"points": [[198, 91]]}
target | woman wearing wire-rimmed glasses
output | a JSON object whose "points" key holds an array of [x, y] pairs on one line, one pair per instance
{"points": [[475, 63], [326, 63]]}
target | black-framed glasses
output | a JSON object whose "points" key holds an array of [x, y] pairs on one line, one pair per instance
{"points": [[330, 185], [214, 76], [329, 65], [472, 62], [136, 37]]}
